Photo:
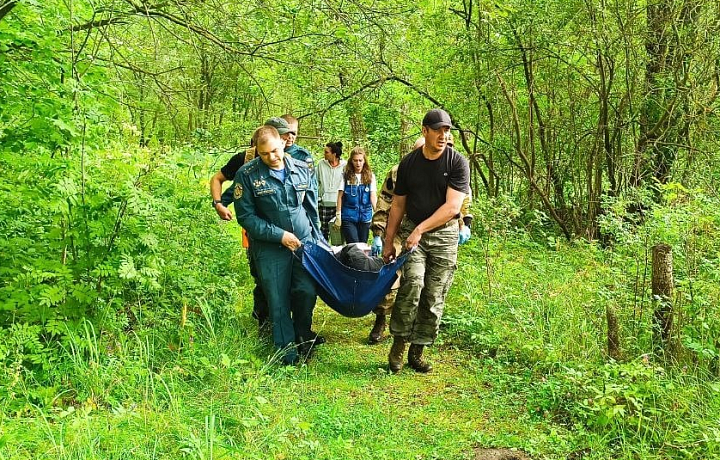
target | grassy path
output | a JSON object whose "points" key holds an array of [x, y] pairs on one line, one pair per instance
{"points": [[354, 409], [219, 398]]}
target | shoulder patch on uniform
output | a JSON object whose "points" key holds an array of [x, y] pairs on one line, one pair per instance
{"points": [[251, 166], [301, 163], [237, 193]]}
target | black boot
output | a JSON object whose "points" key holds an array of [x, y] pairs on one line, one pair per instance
{"points": [[316, 338], [395, 358], [305, 349], [376, 334], [415, 360]]}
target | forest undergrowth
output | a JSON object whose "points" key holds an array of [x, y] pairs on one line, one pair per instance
{"points": [[134, 340]]}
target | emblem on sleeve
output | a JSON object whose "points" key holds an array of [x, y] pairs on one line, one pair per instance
{"points": [[237, 193]]}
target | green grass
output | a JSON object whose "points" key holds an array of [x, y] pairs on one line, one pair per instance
{"points": [[501, 379], [343, 404]]}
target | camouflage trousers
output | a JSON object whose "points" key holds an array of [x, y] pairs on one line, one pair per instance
{"points": [[386, 304], [426, 279]]}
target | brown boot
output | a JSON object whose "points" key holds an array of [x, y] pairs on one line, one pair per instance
{"points": [[397, 351], [415, 359], [376, 335]]}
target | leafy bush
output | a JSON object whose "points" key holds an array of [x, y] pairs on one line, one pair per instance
{"points": [[689, 221], [632, 401], [125, 239]]}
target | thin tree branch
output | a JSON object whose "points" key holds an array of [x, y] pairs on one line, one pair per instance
{"points": [[6, 6], [99, 23]]}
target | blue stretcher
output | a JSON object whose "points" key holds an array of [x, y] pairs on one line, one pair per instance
{"points": [[348, 291]]}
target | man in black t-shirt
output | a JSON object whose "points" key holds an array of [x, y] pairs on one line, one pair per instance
{"points": [[220, 202], [432, 182]]}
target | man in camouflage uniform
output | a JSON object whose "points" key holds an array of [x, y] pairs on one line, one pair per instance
{"points": [[378, 226]]}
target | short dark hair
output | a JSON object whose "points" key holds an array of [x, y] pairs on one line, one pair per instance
{"points": [[335, 147]]}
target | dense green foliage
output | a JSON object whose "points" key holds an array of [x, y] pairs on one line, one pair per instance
{"points": [[520, 364], [114, 248], [592, 132]]}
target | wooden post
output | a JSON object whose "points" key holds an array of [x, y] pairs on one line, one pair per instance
{"points": [[662, 290]]}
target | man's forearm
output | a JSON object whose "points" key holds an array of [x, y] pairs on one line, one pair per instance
{"points": [[216, 185], [441, 216]]}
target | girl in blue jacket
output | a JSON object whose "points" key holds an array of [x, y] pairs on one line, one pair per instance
{"points": [[357, 198]]}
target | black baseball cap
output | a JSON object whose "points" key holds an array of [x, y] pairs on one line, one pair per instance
{"points": [[437, 118]]}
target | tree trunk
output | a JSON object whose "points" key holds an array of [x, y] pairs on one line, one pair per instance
{"points": [[662, 291], [357, 123], [666, 75], [406, 143]]}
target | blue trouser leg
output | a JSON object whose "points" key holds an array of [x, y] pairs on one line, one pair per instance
{"points": [[303, 296], [275, 269], [350, 232], [291, 296]]}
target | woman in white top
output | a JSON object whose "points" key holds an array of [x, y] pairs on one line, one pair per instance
{"points": [[329, 175], [357, 198]]}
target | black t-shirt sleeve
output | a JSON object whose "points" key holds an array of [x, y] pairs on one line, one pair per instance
{"points": [[232, 166], [459, 176]]}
